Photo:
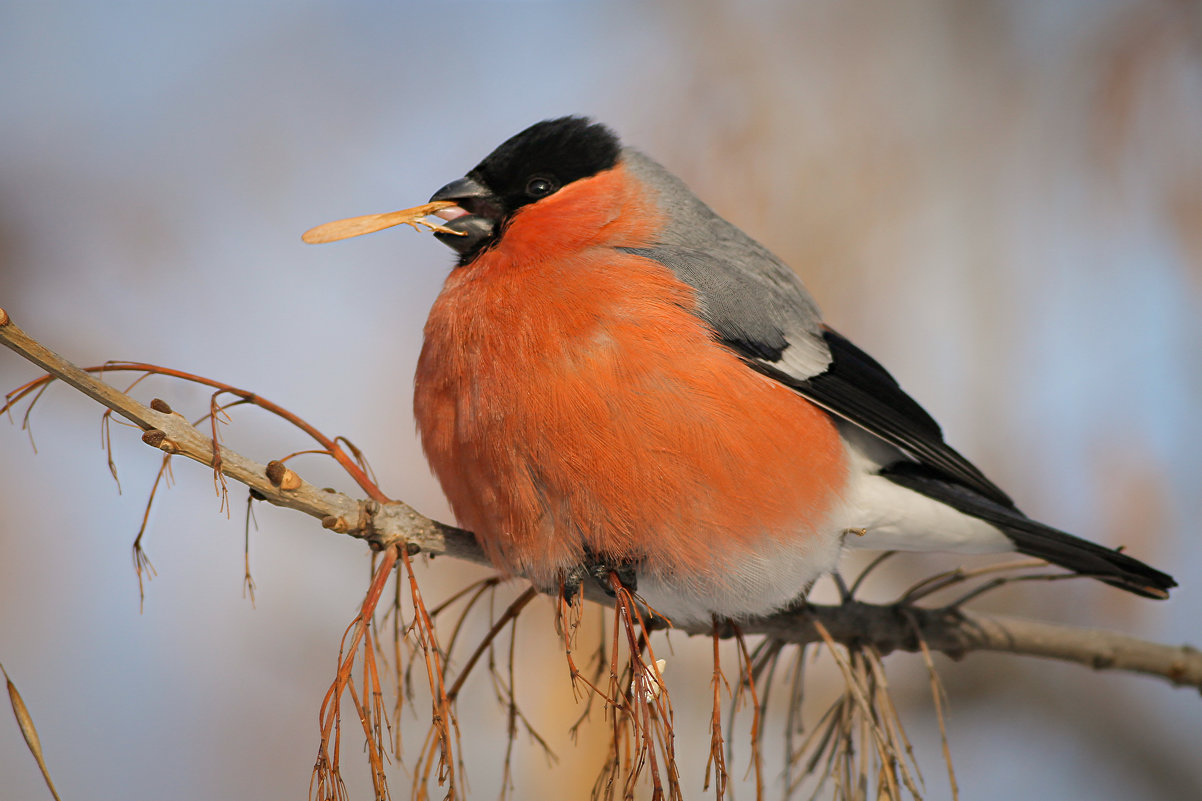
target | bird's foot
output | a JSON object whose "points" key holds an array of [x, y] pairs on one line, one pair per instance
{"points": [[600, 570]]}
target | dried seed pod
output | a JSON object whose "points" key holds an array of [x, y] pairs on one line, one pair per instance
{"points": [[357, 226]]}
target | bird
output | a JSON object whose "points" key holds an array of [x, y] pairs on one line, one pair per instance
{"points": [[614, 377]]}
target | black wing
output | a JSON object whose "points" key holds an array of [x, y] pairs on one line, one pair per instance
{"points": [[858, 389]]}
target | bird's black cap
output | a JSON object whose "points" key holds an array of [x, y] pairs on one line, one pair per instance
{"points": [[558, 151]]}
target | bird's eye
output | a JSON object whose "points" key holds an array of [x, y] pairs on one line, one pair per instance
{"points": [[540, 186]]}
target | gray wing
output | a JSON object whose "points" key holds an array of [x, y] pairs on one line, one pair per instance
{"points": [[763, 319], [750, 297]]}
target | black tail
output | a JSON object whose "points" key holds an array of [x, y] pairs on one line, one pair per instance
{"points": [[1036, 539]]}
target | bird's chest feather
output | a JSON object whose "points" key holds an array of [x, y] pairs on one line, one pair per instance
{"points": [[583, 405]]}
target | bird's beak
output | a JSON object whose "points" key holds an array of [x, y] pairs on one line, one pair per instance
{"points": [[473, 218]]}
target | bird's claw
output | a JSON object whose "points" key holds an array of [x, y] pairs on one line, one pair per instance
{"points": [[600, 570]]}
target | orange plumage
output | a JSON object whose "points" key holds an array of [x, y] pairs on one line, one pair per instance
{"points": [[569, 397]]}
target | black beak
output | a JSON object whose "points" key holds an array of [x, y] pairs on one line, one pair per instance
{"points": [[479, 224], [462, 189]]}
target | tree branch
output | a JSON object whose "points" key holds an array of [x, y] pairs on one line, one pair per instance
{"points": [[957, 632], [953, 631], [383, 524]]}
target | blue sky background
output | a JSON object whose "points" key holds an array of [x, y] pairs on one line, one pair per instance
{"points": [[1000, 201]]}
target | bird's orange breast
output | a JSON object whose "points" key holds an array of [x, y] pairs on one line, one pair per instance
{"points": [[569, 398]]}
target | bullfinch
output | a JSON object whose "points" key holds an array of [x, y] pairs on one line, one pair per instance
{"points": [[615, 377]]}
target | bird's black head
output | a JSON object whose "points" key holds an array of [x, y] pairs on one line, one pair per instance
{"points": [[545, 157], [527, 167]]}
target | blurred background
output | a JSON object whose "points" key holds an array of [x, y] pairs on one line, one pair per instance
{"points": [[1002, 201]]}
